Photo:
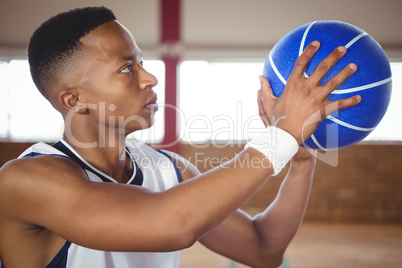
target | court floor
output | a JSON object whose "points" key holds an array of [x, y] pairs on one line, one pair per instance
{"points": [[324, 245]]}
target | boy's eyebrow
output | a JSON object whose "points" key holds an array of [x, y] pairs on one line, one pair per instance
{"points": [[128, 58]]}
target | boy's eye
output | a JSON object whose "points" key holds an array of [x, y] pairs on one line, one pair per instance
{"points": [[127, 69]]}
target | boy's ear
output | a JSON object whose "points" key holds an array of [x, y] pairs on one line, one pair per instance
{"points": [[69, 100]]}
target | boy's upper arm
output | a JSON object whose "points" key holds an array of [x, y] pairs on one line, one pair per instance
{"points": [[29, 185], [54, 193], [187, 169]]}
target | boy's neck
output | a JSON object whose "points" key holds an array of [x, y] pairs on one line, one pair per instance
{"points": [[107, 155]]}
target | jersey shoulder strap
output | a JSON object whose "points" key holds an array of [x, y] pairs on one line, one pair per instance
{"points": [[138, 179]]}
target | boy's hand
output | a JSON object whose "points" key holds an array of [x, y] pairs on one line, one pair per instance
{"points": [[266, 100], [304, 102]]}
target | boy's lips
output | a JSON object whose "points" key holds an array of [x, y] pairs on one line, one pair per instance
{"points": [[152, 105]]}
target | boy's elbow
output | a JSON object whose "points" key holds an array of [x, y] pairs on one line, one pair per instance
{"points": [[181, 235], [269, 261], [184, 238]]}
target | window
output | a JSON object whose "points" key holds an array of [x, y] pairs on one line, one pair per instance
{"points": [[25, 115], [4, 127], [28, 115], [390, 128], [218, 103]]}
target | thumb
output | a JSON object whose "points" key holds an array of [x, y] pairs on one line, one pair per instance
{"points": [[266, 90], [267, 95]]}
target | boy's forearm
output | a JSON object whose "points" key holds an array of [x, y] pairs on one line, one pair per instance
{"points": [[278, 224], [224, 190]]}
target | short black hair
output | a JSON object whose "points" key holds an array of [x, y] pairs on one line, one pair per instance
{"points": [[58, 39]]}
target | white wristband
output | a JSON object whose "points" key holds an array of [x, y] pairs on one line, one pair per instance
{"points": [[277, 145]]}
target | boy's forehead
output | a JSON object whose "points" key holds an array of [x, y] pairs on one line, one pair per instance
{"points": [[111, 40]]}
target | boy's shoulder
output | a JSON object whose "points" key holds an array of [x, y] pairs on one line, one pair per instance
{"points": [[40, 164]]}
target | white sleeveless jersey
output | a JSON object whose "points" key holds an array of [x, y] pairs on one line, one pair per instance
{"points": [[159, 173]]}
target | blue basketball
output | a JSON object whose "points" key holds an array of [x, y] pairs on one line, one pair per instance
{"points": [[372, 80]]}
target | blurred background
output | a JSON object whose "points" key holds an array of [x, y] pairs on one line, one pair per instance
{"points": [[207, 56]]}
